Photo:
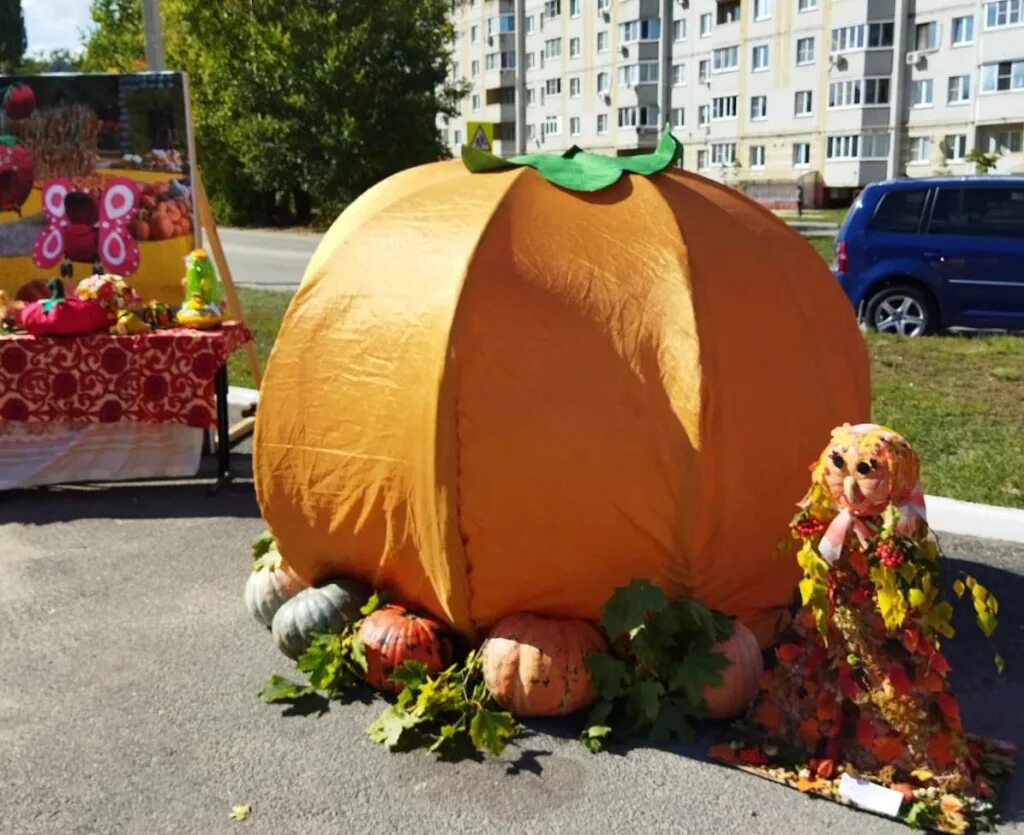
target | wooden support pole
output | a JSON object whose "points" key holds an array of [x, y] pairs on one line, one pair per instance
{"points": [[212, 241]]}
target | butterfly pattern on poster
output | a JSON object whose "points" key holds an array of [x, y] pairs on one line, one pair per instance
{"points": [[76, 233]]}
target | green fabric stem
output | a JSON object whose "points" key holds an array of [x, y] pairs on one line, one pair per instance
{"points": [[580, 170], [56, 288]]}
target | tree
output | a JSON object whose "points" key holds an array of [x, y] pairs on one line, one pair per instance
{"points": [[12, 35], [299, 105], [983, 162]]}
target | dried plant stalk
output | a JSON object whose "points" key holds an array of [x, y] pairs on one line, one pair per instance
{"points": [[63, 141]]}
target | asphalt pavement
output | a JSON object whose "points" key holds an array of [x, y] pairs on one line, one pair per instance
{"points": [[128, 701]]}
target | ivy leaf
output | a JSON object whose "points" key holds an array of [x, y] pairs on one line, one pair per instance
{"points": [[696, 670], [987, 623], [376, 600], [280, 689], [628, 606], [672, 722], [321, 661], [269, 560], [240, 813], [593, 737], [491, 730], [919, 816], [608, 675], [643, 700], [447, 734], [412, 674], [959, 588], [387, 729], [263, 543]]}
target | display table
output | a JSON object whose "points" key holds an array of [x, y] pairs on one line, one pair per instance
{"points": [[153, 386]]}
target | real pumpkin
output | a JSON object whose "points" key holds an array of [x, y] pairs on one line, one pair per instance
{"points": [[741, 680], [270, 585], [325, 608], [535, 666], [392, 634], [548, 393]]}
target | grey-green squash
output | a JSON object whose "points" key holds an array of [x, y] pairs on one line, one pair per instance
{"points": [[324, 608], [270, 585]]}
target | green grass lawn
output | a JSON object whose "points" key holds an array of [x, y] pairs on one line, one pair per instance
{"points": [[822, 215], [958, 399]]}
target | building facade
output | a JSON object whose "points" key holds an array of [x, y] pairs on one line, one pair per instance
{"points": [[778, 97]]}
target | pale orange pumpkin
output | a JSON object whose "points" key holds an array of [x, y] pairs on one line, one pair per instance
{"points": [[741, 679], [535, 666]]}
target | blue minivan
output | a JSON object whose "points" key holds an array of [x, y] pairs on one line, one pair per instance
{"points": [[920, 255]]}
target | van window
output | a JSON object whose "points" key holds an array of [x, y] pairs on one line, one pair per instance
{"points": [[983, 211], [899, 211]]}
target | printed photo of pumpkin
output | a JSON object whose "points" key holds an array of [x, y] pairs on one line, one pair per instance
{"points": [[524, 396]]}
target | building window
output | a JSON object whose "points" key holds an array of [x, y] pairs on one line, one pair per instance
{"points": [[553, 8], [679, 75], [531, 60], [723, 153], [501, 60], [455, 70], [574, 126], [806, 5], [508, 95], [963, 30], [874, 35], [602, 41], [575, 87], [474, 34], [954, 147], [804, 51], [702, 160], [728, 12], [842, 147], [574, 9], [531, 25], [602, 123], [507, 133], [575, 48], [959, 90], [921, 93], [552, 125], [644, 116], [1005, 75], [920, 149], [703, 71], [723, 107], [703, 115], [758, 108], [759, 58], [757, 156], [647, 29], [927, 36], [475, 102], [803, 105], [604, 5], [553, 86], [604, 82], [531, 131], [727, 58], [706, 25], [801, 153], [866, 91], [679, 30], [553, 48], [678, 117], [1007, 142], [457, 136], [762, 9], [631, 75], [1004, 13], [501, 24], [874, 146], [474, 68], [531, 96]]}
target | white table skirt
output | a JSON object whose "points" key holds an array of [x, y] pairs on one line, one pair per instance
{"points": [[34, 454]]}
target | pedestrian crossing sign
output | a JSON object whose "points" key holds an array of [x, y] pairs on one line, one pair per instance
{"points": [[481, 135]]}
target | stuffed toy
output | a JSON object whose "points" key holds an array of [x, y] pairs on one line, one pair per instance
{"points": [[16, 173], [60, 316], [203, 307]]}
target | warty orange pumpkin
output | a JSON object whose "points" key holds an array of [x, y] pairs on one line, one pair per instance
{"points": [[392, 634], [535, 666], [494, 395], [741, 679]]}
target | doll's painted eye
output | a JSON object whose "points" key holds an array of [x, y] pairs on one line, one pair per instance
{"points": [[863, 468], [837, 460]]}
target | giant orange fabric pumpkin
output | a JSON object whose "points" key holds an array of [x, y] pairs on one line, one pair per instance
{"points": [[492, 395], [392, 634], [741, 680], [536, 666]]}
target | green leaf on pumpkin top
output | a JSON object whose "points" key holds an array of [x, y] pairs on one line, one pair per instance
{"points": [[8, 140], [580, 170]]}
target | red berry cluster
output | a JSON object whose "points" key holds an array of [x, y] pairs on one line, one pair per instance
{"points": [[809, 526], [890, 553], [753, 756]]}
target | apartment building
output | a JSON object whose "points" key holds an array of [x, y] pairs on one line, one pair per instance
{"points": [[773, 96]]}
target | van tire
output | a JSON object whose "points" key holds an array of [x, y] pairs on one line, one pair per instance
{"points": [[901, 309]]}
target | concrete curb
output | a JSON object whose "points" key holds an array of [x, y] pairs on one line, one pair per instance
{"points": [[944, 515]]}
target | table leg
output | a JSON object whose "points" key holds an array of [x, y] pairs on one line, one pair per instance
{"points": [[223, 430]]}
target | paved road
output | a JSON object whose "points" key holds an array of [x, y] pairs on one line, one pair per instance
{"points": [[274, 260], [127, 703]]}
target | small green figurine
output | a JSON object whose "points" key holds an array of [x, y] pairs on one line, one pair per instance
{"points": [[203, 307]]}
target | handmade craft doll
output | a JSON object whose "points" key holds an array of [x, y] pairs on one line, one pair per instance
{"points": [[203, 307]]}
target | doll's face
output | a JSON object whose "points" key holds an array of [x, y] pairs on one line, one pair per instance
{"points": [[857, 480]]}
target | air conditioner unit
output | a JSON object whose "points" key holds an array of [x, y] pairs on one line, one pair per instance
{"points": [[913, 59], [607, 99]]}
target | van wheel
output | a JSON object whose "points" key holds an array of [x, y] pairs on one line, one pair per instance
{"points": [[901, 309]]}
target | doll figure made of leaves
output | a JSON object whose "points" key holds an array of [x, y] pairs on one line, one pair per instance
{"points": [[861, 678]]}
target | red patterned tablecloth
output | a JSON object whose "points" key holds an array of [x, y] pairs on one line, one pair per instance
{"points": [[159, 377]]}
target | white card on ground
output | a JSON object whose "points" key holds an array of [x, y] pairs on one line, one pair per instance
{"points": [[870, 796]]}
